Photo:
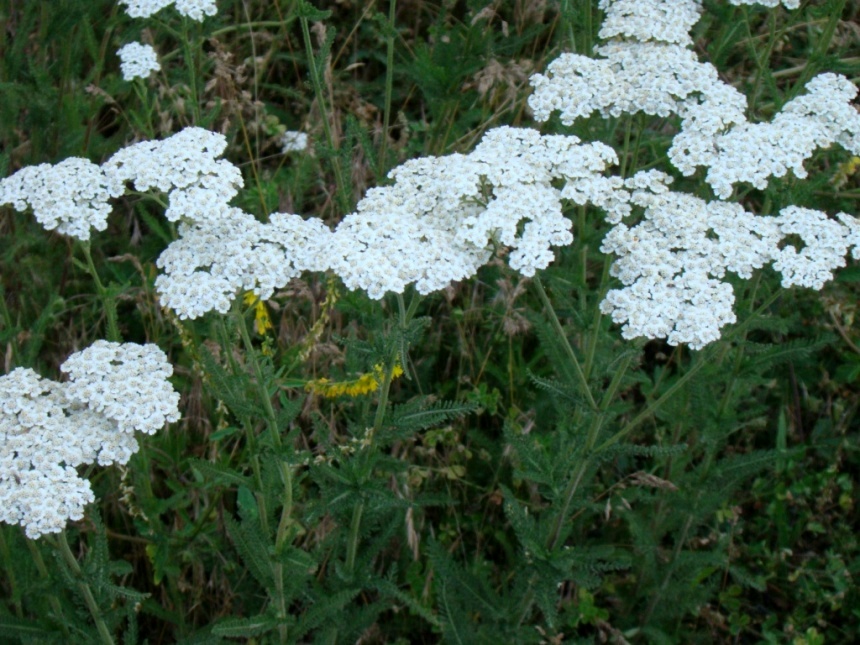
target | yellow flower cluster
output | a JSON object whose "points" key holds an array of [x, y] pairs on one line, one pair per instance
{"points": [[262, 322], [364, 384]]}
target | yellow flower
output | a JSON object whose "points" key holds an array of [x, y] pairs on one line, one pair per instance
{"points": [[364, 384], [844, 171], [262, 322]]}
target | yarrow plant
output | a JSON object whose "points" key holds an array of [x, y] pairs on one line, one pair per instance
{"points": [[316, 451], [49, 428], [671, 262], [442, 218]]}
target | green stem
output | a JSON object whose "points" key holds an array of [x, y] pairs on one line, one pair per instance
{"points": [[7, 321], [10, 572], [405, 316], [624, 155], [389, 86], [821, 47], [190, 63], [13, 583], [260, 383], [246, 25], [52, 599], [352, 544], [704, 359], [595, 323], [318, 92], [588, 453], [565, 343], [284, 467], [146, 125], [87, 594], [576, 480], [107, 299], [670, 569]]}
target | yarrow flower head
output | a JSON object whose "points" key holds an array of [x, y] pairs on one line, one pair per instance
{"points": [[186, 167], [47, 429], [194, 9], [443, 216], [789, 4], [293, 141], [667, 21], [71, 196], [137, 61], [127, 383], [212, 261], [672, 262]]}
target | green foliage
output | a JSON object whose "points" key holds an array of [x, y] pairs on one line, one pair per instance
{"points": [[531, 477]]}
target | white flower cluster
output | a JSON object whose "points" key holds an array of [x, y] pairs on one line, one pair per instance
{"points": [[137, 60], [48, 428], [292, 141], [194, 9], [442, 217], [644, 20], [652, 77], [674, 259], [646, 66], [672, 262], [127, 383], [71, 196], [212, 260], [186, 167], [789, 4], [753, 152]]}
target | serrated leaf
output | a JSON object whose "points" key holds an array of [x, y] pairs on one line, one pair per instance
{"points": [[244, 627], [305, 9], [251, 543], [219, 472], [26, 630]]}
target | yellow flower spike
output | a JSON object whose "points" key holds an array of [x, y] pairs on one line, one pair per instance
{"points": [[365, 384]]}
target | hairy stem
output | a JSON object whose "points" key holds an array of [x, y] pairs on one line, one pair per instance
{"points": [[39, 561], [108, 301], [389, 86], [562, 336], [84, 589], [284, 468], [321, 103]]}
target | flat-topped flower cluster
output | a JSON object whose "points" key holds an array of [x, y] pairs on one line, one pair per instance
{"points": [[139, 60], [194, 9], [441, 218], [47, 428]]}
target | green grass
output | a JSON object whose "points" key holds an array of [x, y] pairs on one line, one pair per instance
{"points": [[705, 496]]}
